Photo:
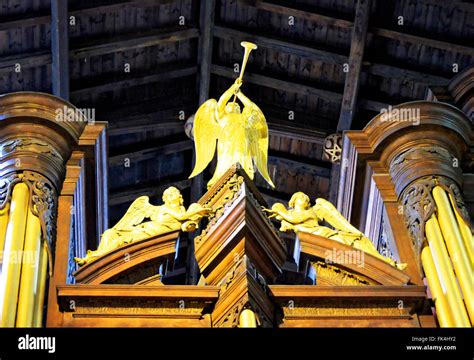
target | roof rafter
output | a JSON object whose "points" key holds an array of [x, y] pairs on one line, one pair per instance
{"points": [[387, 33]]}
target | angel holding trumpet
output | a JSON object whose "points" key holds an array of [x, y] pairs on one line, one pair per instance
{"points": [[241, 135]]}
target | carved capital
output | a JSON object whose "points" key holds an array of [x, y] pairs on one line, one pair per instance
{"points": [[418, 206], [32, 153], [421, 161], [42, 201]]}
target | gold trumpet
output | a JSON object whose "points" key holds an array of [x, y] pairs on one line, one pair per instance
{"points": [[248, 48]]}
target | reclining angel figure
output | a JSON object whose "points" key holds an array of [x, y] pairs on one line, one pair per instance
{"points": [[170, 216], [301, 216], [241, 136]]}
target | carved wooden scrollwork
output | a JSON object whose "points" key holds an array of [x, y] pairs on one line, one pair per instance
{"points": [[29, 144], [422, 161], [419, 153], [43, 201], [418, 205], [231, 319], [232, 190], [332, 150]]}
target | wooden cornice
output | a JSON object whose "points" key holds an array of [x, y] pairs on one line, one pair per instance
{"points": [[168, 292], [372, 268], [35, 105], [372, 291], [380, 129], [158, 250]]}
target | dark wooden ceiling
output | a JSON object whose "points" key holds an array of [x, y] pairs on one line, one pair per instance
{"points": [[144, 65]]}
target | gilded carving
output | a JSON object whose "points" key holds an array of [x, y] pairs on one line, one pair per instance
{"points": [[337, 276], [137, 307], [240, 136], [231, 190], [300, 216], [170, 216], [339, 307], [231, 318]]}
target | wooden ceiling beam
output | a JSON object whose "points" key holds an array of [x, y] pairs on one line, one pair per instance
{"points": [[311, 52], [388, 71], [206, 24], [295, 132], [286, 161], [132, 112], [351, 84], [346, 24], [168, 119], [129, 195], [133, 41], [286, 46], [311, 16], [162, 75], [32, 59], [134, 129], [291, 86], [43, 17], [60, 48], [151, 153], [102, 47], [272, 196], [278, 84], [437, 44]]}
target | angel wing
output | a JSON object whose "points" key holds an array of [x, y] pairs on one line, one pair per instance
{"points": [[257, 132], [206, 130], [327, 211], [136, 213]]}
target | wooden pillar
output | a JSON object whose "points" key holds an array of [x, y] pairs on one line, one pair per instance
{"points": [[36, 139], [416, 149]]}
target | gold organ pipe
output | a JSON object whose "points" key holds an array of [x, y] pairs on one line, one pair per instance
{"points": [[457, 250], [41, 286], [466, 233], [14, 241], [247, 319], [434, 282], [3, 227], [446, 273], [4, 215], [29, 272]]}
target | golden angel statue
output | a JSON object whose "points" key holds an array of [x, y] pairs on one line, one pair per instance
{"points": [[241, 136], [170, 216], [301, 216]]}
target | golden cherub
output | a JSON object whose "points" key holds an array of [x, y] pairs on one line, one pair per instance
{"points": [[241, 136], [302, 217], [170, 216]]}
